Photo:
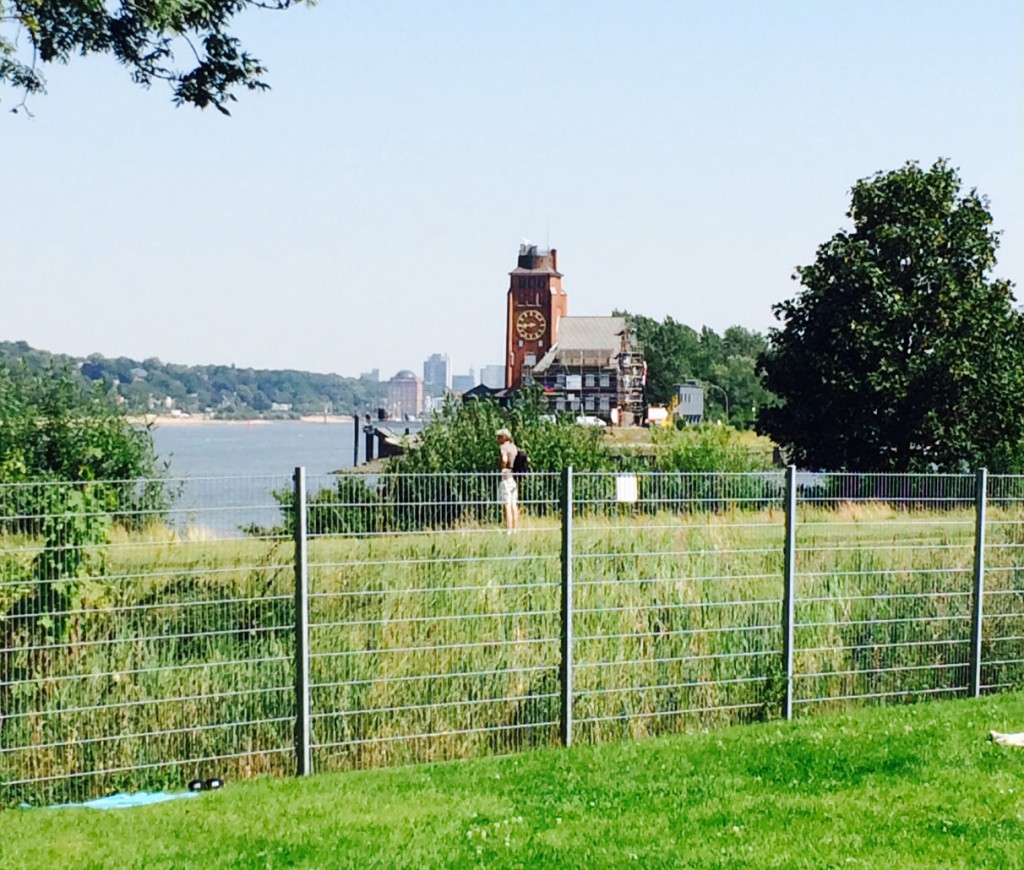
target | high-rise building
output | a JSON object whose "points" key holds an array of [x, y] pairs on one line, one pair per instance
{"points": [[462, 383], [437, 374], [493, 377]]}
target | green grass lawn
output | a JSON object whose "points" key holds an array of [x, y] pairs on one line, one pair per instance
{"points": [[915, 786]]}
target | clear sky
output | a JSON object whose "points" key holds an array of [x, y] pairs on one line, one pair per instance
{"points": [[682, 157]]}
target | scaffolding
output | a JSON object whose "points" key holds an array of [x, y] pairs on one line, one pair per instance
{"points": [[607, 383]]}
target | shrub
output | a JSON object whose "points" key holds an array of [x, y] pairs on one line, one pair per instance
{"points": [[54, 429]]}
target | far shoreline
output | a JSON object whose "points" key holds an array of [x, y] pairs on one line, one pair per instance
{"points": [[157, 420]]}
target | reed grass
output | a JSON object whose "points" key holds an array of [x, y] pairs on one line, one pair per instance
{"points": [[445, 644]]}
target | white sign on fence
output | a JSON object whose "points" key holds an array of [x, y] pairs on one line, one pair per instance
{"points": [[625, 487]]}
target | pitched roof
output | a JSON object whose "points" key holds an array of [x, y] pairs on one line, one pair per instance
{"points": [[585, 341], [590, 333]]}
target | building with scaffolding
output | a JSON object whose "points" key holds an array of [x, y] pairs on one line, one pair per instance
{"points": [[587, 366], [595, 368]]}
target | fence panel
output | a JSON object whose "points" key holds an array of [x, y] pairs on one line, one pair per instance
{"points": [[1002, 649], [884, 584], [142, 644], [433, 633], [148, 627], [677, 592]]}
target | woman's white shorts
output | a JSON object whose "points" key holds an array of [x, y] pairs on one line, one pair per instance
{"points": [[508, 490]]}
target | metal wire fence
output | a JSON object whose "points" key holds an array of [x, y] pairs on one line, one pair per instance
{"points": [[159, 631], [883, 587], [676, 601], [143, 649], [439, 637], [1001, 658]]}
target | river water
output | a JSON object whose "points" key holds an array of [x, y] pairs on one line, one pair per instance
{"points": [[257, 448], [229, 470]]}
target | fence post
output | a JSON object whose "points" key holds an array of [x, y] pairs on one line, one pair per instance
{"points": [[789, 592], [977, 600], [303, 756], [566, 669]]}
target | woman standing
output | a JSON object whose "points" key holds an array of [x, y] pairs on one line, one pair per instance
{"points": [[508, 489]]}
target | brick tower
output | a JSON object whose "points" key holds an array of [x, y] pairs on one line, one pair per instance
{"points": [[536, 301]]}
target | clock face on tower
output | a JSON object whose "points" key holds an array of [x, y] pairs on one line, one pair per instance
{"points": [[530, 324]]}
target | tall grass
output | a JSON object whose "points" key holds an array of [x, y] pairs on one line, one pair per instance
{"points": [[445, 643]]}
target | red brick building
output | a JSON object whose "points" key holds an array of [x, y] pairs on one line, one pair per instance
{"points": [[585, 366], [536, 302]]}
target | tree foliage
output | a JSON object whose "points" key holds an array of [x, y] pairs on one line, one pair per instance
{"points": [[147, 38], [449, 475], [53, 427], [71, 465], [676, 353], [222, 390], [461, 438], [54, 431], [900, 353]]}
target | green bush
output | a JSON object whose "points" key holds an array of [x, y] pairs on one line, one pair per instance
{"points": [[53, 429], [450, 474], [705, 447], [70, 465]]}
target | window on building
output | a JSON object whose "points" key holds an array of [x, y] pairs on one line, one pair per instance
{"points": [[588, 380], [606, 380], [560, 404], [605, 403], [560, 379], [589, 403], [530, 359]]}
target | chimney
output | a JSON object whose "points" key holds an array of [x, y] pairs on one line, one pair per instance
{"points": [[554, 259]]}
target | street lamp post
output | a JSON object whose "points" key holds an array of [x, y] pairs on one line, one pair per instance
{"points": [[726, 395]]}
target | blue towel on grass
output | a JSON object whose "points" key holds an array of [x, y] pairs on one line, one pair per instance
{"points": [[123, 801]]}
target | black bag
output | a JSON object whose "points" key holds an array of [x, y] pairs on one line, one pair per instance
{"points": [[521, 464]]}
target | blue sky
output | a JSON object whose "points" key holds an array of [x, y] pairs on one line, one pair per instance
{"points": [[364, 213]]}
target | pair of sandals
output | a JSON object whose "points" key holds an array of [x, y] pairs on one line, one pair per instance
{"points": [[1007, 739]]}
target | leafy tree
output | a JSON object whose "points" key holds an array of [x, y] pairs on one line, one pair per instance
{"points": [[54, 429], [145, 37], [900, 353], [199, 389], [676, 353], [673, 354], [75, 463]]}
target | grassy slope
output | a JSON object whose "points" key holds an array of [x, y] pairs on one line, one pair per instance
{"points": [[916, 786]]}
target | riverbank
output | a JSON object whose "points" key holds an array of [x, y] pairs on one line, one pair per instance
{"points": [[198, 420]]}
